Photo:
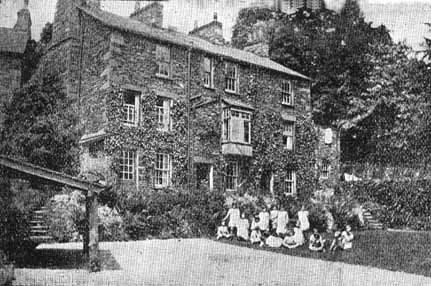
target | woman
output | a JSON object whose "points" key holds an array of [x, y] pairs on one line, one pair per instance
{"points": [[295, 239]]}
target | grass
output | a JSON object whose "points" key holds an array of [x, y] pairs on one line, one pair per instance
{"points": [[408, 252]]}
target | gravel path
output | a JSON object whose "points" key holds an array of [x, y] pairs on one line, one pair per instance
{"points": [[204, 262]]}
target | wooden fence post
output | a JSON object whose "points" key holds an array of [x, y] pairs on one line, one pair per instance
{"points": [[93, 231]]}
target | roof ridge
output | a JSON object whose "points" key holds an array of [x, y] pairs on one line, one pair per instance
{"points": [[190, 41]]}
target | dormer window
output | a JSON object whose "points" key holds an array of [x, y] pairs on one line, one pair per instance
{"points": [[163, 58], [231, 78], [208, 72], [236, 126], [287, 93]]}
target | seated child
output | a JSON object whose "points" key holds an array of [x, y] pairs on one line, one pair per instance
{"points": [[347, 238], [243, 226], [274, 241], [317, 243], [336, 242], [255, 236], [294, 239], [223, 231]]}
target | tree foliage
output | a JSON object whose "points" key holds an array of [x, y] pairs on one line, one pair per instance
{"points": [[41, 125]]}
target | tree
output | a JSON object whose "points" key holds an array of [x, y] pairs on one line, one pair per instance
{"points": [[427, 44], [41, 126]]}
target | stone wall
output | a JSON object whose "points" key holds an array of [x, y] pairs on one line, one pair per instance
{"points": [[116, 61]]}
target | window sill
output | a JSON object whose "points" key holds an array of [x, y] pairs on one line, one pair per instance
{"points": [[162, 187], [130, 124], [287, 105], [235, 142], [231, 92], [162, 76], [209, 87]]}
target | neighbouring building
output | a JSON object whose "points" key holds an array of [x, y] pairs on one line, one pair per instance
{"points": [[13, 43], [154, 102]]}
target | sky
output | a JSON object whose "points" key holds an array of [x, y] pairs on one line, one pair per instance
{"points": [[404, 18]]}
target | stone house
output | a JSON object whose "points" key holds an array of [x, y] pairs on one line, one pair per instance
{"points": [[13, 43], [161, 109]]}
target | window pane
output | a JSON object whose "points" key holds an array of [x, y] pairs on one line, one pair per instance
{"points": [[247, 131]]}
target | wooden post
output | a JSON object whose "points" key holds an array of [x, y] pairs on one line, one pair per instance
{"points": [[91, 240]]}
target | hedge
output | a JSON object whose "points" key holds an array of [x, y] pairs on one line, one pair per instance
{"points": [[400, 204]]}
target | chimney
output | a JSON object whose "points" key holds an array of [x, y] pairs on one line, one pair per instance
{"points": [[23, 22], [152, 15], [211, 32]]}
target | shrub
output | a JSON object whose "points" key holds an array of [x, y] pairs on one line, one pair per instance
{"points": [[317, 217], [401, 203], [171, 213], [111, 227]]}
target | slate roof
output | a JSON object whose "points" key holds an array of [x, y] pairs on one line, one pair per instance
{"points": [[136, 27], [12, 41]]}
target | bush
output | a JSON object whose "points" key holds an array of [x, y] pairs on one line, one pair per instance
{"points": [[171, 213], [66, 216], [401, 203], [317, 217], [111, 226]]}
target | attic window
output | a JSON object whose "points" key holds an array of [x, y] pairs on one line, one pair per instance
{"points": [[231, 78], [287, 93], [208, 72]]}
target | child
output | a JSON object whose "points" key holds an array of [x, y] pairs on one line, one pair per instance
{"points": [[336, 242], [297, 239], [347, 238], [233, 215], [317, 243], [274, 241], [303, 221], [223, 231], [273, 214], [282, 221], [255, 236], [264, 221], [289, 240], [243, 226]]}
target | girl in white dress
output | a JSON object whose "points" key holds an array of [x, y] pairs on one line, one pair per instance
{"points": [[255, 235], [264, 221], [233, 215], [295, 240], [243, 227], [273, 214], [282, 221], [223, 231], [304, 223]]}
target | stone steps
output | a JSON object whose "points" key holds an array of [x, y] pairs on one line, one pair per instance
{"points": [[371, 222], [38, 226]]}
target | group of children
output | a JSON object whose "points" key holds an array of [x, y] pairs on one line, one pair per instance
{"points": [[271, 229]]}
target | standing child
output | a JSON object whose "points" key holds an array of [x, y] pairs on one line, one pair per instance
{"points": [[233, 215], [304, 223], [273, 214], [255, 236], [243, 227], [264, 221], [347, 238], [282, 221]]}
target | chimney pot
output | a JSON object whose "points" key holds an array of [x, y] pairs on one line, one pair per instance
{"points": [[215, 16]]}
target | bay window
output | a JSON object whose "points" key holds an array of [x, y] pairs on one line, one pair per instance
{"points": [[236, 126]]}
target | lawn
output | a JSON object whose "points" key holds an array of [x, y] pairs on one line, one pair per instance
{"points": [[398, 251]]}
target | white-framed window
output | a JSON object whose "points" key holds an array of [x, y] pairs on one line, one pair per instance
{"points": [[289, 135], [163, 109], [127, 165], [289, 183], [326, 169], [162, 171], [163, 58], [232, 171], [287, 93], [208, 72], [236, 126], [232, 78], [130, 107]]}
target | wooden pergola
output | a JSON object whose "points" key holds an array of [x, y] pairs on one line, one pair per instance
{"points": [[90, 189]]}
